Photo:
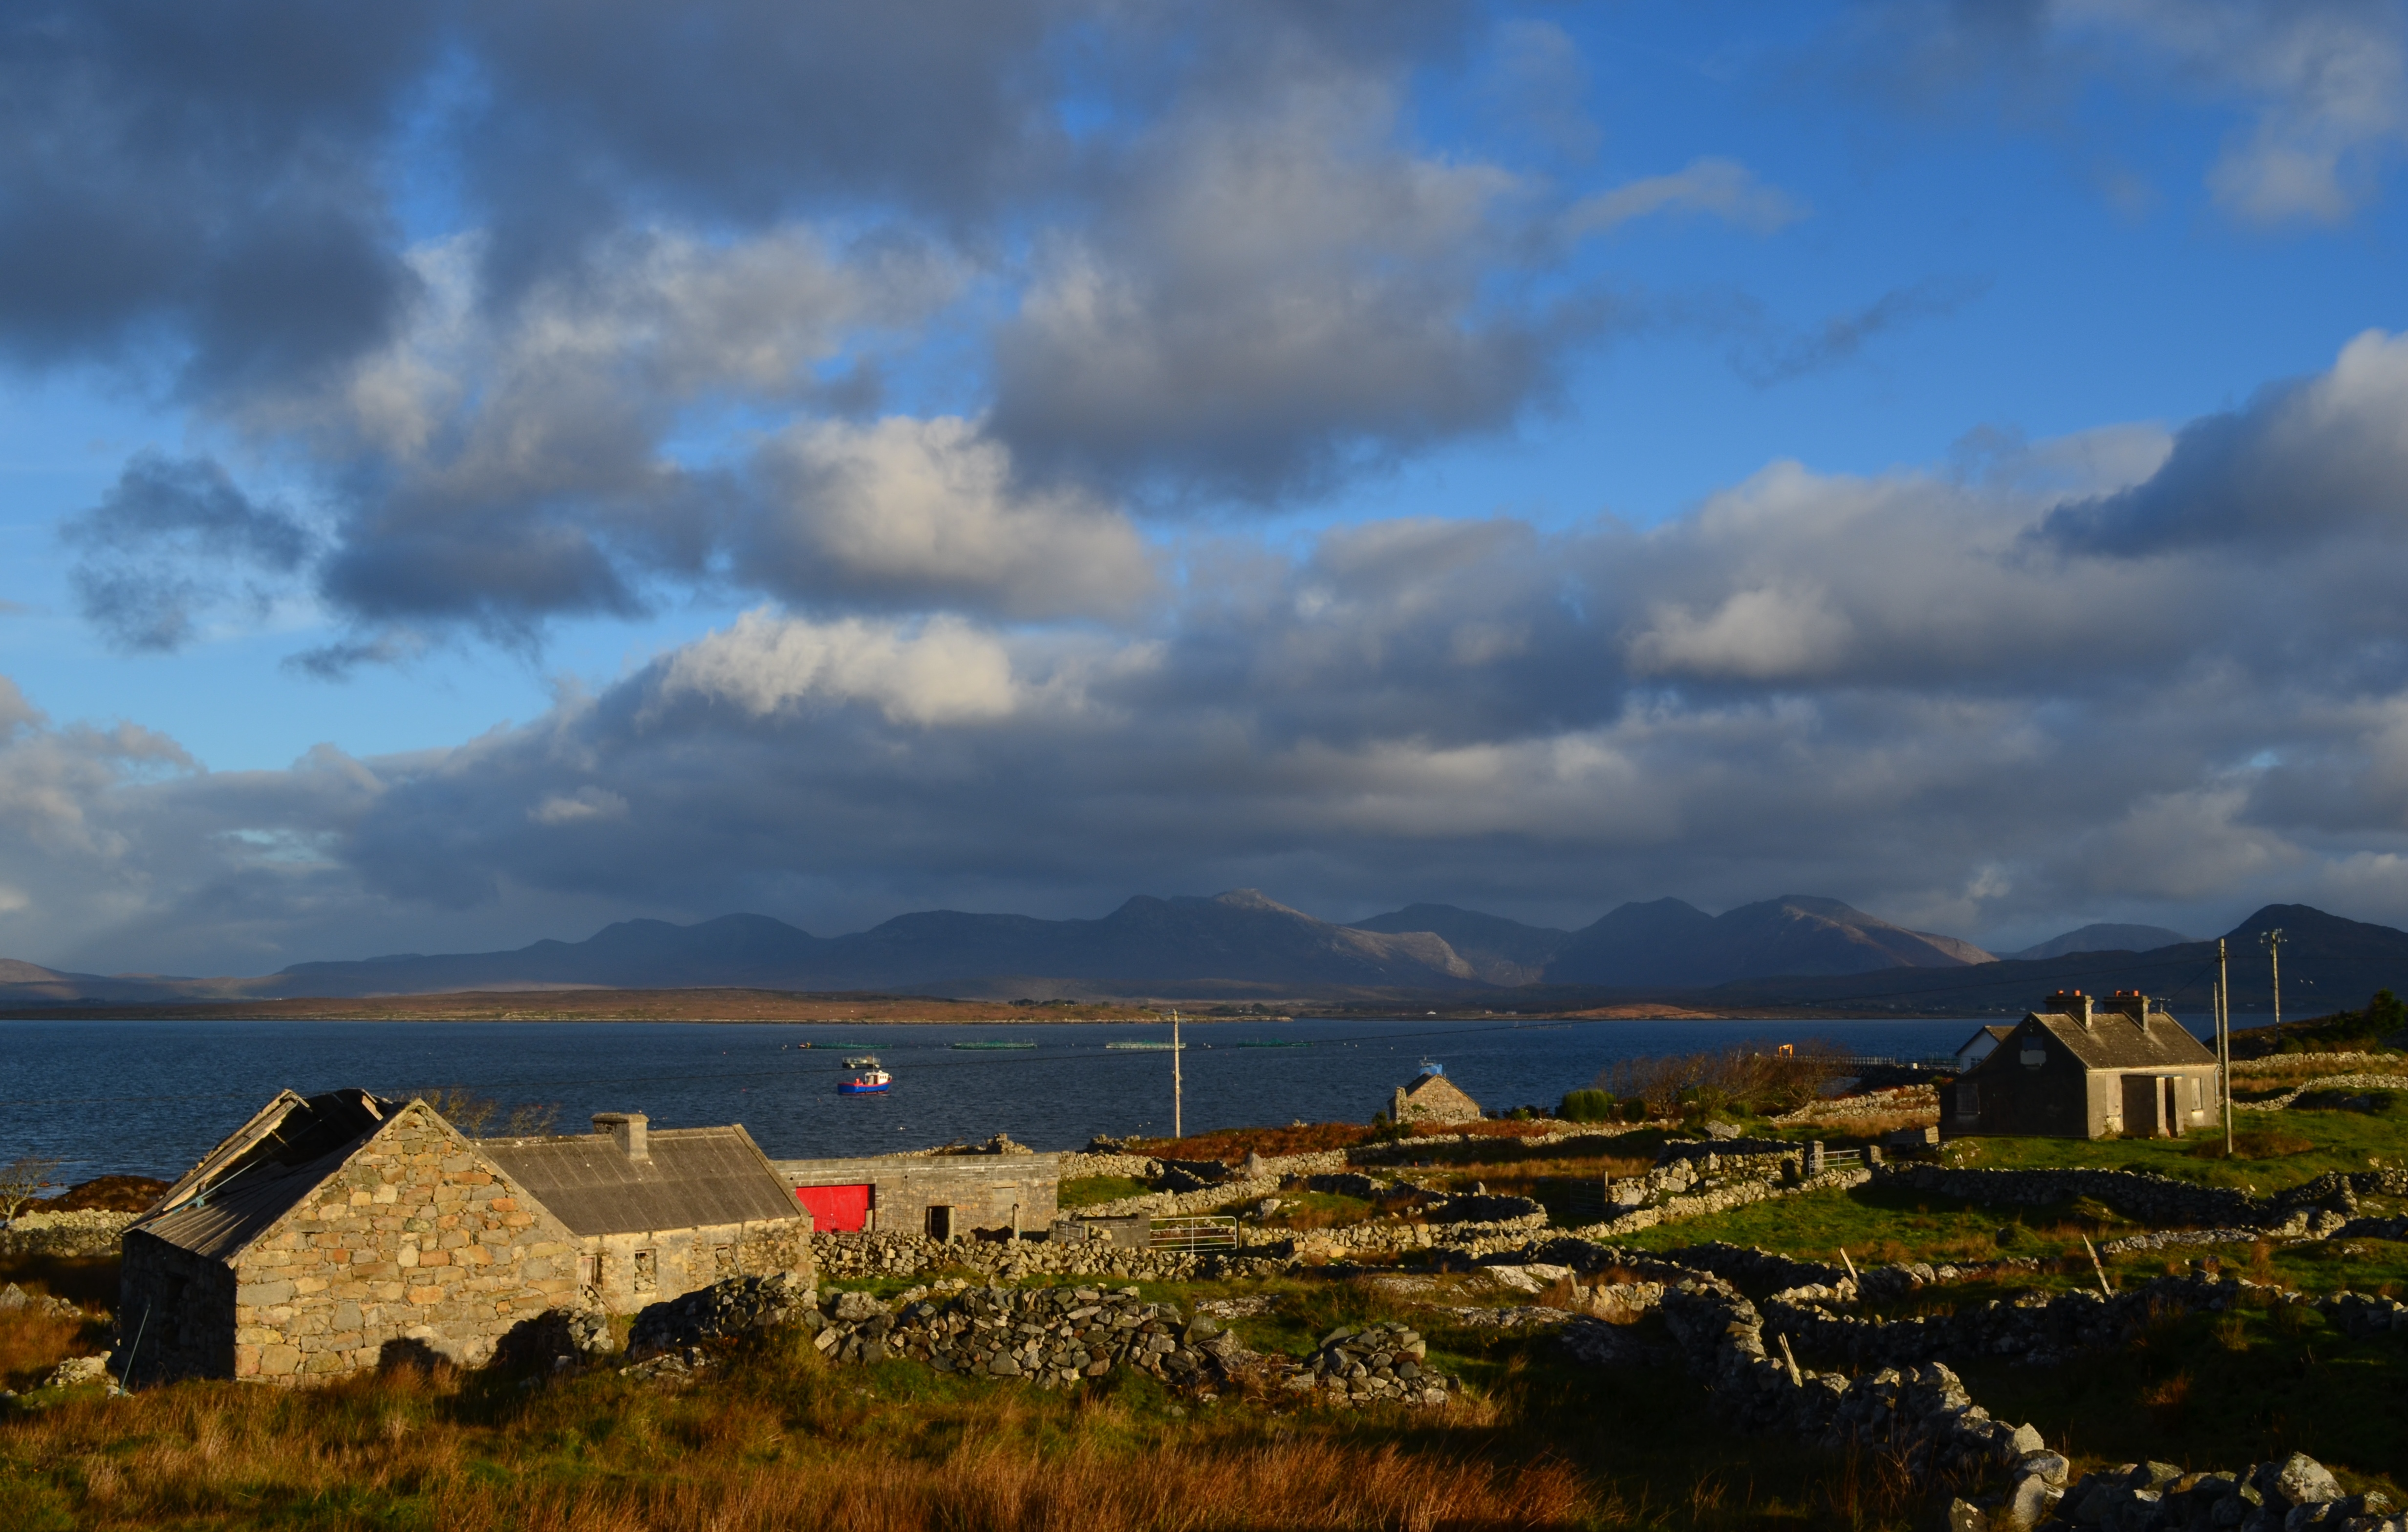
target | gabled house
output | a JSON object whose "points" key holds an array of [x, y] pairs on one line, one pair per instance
{"points": [[1981, 1045], [2085, 1067], [332, 1233], [1432, 1099]]}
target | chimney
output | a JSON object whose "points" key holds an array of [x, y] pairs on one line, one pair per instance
{"points": [[2073, 1003], [627, 1130]]}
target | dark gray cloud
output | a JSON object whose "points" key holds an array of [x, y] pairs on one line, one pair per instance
{"points": [[173, 539], [2307, 460], [201, 184]]}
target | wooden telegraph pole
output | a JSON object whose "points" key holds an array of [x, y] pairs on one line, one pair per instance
{"points": [[2224, 1039], [1177, 1090]]}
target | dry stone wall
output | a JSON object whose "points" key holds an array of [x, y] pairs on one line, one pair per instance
{"points": [[87, 1233]]}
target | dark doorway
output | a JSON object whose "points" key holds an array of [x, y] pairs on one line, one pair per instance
{"points": [[941, 1222]]}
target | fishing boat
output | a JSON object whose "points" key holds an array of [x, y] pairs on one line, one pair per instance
{"points": [[861, 1061], [870, 1082]]}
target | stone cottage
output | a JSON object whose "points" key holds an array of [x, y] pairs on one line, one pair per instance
{"points": [[660, 1212], [331, 1233], [2085, 1067], [945, 1194], [1432, 1099]]}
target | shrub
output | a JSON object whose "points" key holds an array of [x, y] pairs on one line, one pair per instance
{"points": [[1586, 1105]]}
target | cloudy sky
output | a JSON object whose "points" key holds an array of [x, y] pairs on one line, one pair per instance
{"points": [[475, 472]]}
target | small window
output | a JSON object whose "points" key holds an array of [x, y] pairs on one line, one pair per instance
{"points": [[647, 1279], [1968, 1100], [592, 1264], [723, 1260]]}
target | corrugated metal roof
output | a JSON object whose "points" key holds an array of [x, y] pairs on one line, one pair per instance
{"points": [[264, 1169], [695, 1176], [2114, 1041], [221, 1222]]}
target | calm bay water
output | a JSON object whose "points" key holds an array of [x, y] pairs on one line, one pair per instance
{"points": [[149, 1097]]}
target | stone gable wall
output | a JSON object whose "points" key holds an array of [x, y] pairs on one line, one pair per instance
{"points": [[418, 1245]]}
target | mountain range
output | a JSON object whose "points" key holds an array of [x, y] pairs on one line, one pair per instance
{"points": [[1242, 945]]}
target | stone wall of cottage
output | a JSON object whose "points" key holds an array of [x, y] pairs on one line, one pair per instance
{"points": [[654, 1265], [418, 1246], [176, 1313]]}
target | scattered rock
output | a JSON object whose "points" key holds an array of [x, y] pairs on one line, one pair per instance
{"points": [[78, 1371], [739, 1305]]}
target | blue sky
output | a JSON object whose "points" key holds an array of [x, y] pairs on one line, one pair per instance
{"points": [[462, 487]]}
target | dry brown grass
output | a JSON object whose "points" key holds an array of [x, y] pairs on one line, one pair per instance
{"points": [[789, 1444], [31, 1345]]}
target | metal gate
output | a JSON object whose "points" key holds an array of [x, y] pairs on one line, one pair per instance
{"points": [[1206, 1231]]}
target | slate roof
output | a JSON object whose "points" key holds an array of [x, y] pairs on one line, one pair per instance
{"points": [[264, 1169], [695, 1176], [2114, 1041]]}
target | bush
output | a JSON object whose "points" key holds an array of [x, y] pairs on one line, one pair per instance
{"points": [[1586, 1105]]}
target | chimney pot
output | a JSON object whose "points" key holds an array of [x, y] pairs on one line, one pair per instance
{"points": [[627, 1130]]}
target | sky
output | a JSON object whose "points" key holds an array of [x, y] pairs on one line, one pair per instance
{"points": [[475, 473]]}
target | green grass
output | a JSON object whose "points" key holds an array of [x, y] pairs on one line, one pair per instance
{"points": [[2337, 1141], [1095, 1191], [1876, 1226]]}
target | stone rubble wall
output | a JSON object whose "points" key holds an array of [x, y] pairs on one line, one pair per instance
{"points": [[2277, 1062], [2326, 1083], [1058, 1337], [90, 1233], [911, 1255], [1722, 1199], [1923, 1413]]}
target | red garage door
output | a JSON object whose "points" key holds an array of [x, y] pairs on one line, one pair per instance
{"points": [[835, 1209]]}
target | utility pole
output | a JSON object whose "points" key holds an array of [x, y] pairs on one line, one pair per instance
{"points": [[2273, 940], [2224, 1039], [1177, 1089]]}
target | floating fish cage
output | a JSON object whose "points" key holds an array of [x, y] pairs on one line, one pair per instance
{"points": [[1146, 1047], [992, 1047]]}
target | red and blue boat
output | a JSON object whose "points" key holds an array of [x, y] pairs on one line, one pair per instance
{"points": [[873, 1079]]}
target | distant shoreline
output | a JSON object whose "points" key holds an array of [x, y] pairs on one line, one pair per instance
{"points": [[752, 1007]]}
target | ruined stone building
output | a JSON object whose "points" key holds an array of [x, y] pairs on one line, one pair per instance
{"points": [[329, 1233], [946, 1194], [1432, 1099], [2085, 1067]]}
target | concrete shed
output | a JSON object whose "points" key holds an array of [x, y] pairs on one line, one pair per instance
{"points": [[2087, 1067], [945, 1194]]}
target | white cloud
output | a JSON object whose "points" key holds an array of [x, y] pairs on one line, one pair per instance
{"points": [[927, 511], [942, 671]]}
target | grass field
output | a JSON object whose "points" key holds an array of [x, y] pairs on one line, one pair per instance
{"points": [[774, 1437]]}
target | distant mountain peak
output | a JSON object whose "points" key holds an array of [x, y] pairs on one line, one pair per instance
{"points": [[1255, 898]]}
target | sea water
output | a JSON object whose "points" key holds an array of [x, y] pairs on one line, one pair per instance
{"points": [[151, 1098]]}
